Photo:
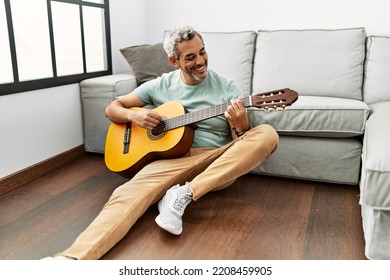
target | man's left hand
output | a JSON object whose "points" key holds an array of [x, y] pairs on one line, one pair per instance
{"points": [[237, 115]]}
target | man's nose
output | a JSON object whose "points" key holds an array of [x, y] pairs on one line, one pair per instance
{"points": [[199, 59]]}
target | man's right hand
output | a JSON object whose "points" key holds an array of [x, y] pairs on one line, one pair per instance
{"points": [[146, 118]]}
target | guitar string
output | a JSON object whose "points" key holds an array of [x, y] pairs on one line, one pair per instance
{"points": [[193, 117], [260, 100]]}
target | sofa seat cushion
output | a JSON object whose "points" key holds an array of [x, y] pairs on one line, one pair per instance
{"points": [[314, 158], [312, 62], [316, 116], [375, 178]]}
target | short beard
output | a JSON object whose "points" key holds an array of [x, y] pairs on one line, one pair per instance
{"points": [[193, 76]]}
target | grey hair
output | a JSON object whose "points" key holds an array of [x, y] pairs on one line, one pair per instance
{"points": [[177, 35]]}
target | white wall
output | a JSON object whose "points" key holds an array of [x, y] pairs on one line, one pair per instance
{"points": [[37, 125], [237, 15], [128, 27]]}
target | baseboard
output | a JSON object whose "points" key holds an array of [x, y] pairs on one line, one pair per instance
{"points": [[22, 177]]}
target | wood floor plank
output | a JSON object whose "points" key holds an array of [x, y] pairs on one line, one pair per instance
{"points": [[14, 181], [335, 228], [258, 217]]}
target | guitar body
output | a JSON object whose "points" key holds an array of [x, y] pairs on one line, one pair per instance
{"points": [[144, 146]]}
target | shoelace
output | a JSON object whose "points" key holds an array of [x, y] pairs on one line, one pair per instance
{"points": [[180, 201]]}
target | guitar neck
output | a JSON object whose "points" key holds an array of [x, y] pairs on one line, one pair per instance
{"points": [[201, 115], [271, 100]]}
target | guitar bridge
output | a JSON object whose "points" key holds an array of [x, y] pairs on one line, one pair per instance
{"points": [[126, 138]]}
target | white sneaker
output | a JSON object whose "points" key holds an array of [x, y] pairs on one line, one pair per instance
{"points": [[172, 207]]}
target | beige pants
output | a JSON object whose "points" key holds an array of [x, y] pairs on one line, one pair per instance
{"points": [[203, 170]]}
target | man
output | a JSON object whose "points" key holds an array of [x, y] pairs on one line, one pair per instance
{"points": [[224, 147]]}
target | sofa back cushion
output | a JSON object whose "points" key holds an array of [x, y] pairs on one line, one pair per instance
{"points": [[313, 62], [377, 71], [231, 54]]}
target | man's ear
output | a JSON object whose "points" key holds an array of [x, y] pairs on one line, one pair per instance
{"points": [[173, 61]]}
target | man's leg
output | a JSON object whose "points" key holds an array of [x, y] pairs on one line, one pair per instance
{"points": [[127, 203], [217, 169], [236, 159]]}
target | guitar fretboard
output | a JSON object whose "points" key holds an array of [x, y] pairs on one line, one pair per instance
{"points": [[271, 100], [204, 114]]}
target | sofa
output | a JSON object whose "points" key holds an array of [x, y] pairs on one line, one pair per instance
{"points": [[335, 132]]}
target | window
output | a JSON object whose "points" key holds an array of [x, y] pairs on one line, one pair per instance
{"points": [[5, 54], [47, 43]]}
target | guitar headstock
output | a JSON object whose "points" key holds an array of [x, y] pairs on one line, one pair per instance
{"points": [[275, 99]]}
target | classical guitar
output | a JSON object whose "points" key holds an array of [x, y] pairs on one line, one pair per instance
{"points": [[129, 147]]}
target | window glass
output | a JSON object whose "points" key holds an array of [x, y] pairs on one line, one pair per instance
{"points": [[95, 1], [32, 40], [48, 43], [6, 74], [67, 38], [95, 41]]}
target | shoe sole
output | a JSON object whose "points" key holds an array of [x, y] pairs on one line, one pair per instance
{"points": [[169, 228]]}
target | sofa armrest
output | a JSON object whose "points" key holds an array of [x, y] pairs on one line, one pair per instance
{"points": [[96, 95]]}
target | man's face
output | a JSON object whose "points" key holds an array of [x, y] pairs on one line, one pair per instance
{"points": [[192, 61]]}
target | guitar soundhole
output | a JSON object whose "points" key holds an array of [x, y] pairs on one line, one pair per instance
{"points": [[159, 131]]}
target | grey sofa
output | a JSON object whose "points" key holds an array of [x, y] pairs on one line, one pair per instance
{"points": [[337, 130]]}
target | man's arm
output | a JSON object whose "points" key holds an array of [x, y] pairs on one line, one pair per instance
{"points": [[118, 112]]}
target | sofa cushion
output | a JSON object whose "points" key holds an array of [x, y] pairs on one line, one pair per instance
{"points": [[316, 116], [147, 61], [231, 54], [375, 178], [377, 82], [315, 158], [312, 62]]}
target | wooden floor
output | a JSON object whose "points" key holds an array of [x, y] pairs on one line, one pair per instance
{"points": [[259, 217]]}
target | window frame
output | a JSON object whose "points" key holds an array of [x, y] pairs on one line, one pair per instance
{"points": [[18, 86]]}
